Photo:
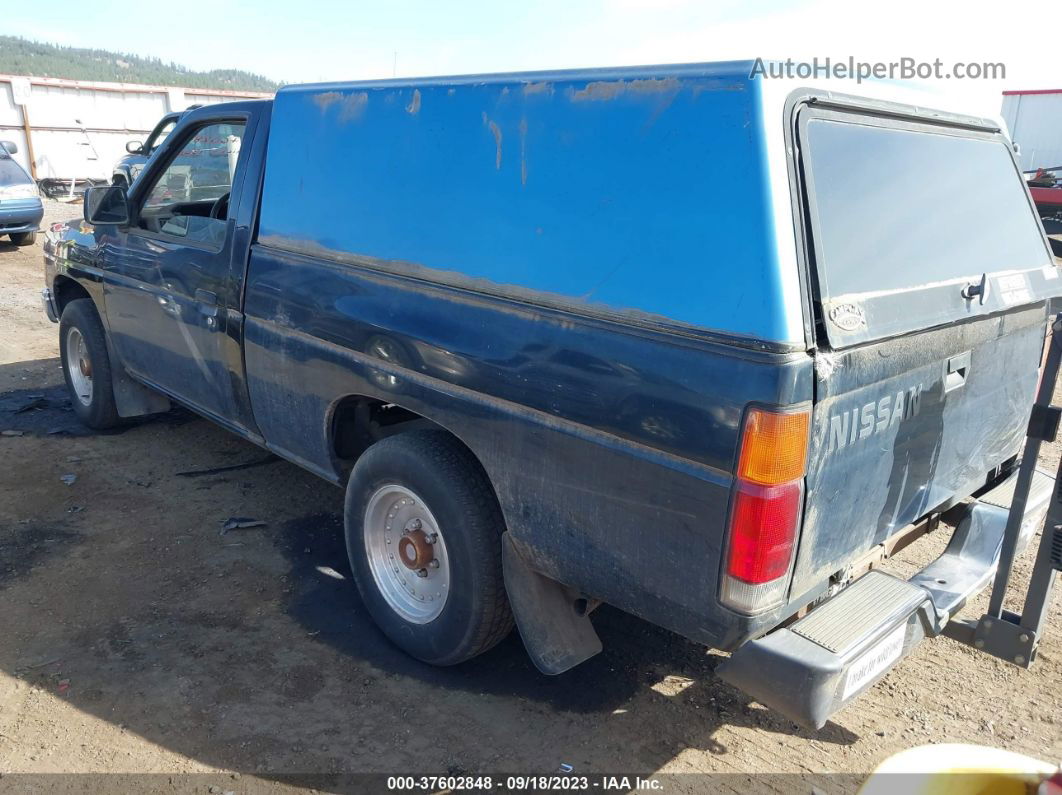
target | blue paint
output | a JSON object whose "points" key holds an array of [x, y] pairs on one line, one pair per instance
{"points": [[620, 191]]}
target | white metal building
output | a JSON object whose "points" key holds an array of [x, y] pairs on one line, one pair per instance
{"points": [[78, 129], [1034, 119]]}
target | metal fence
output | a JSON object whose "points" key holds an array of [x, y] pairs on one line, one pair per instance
{"points": [[1035, 122], [74, 129]]}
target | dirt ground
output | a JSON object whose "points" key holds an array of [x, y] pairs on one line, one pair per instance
{"points": [[135, 637]]}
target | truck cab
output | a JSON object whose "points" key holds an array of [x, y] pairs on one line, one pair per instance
{"points": [[659, 338]]}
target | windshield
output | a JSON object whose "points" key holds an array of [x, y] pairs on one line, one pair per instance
{"points": [[11, 173], [899, 208]]}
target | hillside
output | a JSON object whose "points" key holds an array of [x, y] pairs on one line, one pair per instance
{"points": [[20, 56]]}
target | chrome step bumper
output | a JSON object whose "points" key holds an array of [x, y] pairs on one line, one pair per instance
{"points": [[817, 665]]}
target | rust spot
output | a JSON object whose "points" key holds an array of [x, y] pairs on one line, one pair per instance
{"points": [[604, 90], [537, 88], [712, 85], [414, 104], [326, 99], [523, 151], [495, 130], [351, 106]]}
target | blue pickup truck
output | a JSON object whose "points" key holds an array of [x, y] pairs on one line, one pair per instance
{"points": [[663, 338]]}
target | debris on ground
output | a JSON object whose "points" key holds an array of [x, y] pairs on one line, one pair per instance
{"points": [[12, 433], [199, 473], [36, 402], [69, 479], [240, 523]]}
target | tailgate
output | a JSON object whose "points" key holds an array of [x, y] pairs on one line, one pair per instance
{"points": [[930, 278], [901, 426]]}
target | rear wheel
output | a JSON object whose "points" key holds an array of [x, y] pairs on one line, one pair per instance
{"points": [[24, 238], [86, 365], [423, 532]]}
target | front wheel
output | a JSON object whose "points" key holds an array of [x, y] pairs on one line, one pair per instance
{"points": [[24, 238], [86, 365], [423, 532]]}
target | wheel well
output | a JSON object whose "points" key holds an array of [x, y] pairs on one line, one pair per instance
{"points": [[359, 421], [66, 290]]}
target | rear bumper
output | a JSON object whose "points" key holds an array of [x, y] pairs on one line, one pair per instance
{"points": [[817, 665]]}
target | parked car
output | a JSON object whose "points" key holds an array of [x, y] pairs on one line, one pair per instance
{"points": [[129, 167], [21, 208], [659, 338]]}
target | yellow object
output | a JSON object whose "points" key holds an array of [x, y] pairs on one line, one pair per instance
{"points": [[956, 769], [774, 447]]}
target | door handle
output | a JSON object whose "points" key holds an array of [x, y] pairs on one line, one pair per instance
{"points": [[206, 297], [956, 370]]}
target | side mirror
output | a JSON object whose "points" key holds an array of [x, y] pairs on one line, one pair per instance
{"points": [[9, 146], [107, 205], [134, 147]]}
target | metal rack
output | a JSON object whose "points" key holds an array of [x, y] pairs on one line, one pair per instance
{"points": [[1011, 636]]}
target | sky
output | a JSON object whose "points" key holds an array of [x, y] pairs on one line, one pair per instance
{"points": [[330, 40]]}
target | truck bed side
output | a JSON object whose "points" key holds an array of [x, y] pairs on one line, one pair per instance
{"points": [[610, 448]]}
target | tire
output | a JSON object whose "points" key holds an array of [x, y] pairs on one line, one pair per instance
{"points": [[24, 238], [449, 495], [80, 328]]}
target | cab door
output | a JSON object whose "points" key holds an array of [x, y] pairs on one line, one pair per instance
{"points": [[174, 276]]}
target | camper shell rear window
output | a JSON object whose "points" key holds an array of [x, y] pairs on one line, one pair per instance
{"points": [[906, 215]]}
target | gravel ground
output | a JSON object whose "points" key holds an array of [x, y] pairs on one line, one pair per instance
{"points": [[138, 639]]}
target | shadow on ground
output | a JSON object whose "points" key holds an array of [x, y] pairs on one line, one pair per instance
{"points": [[250, 650]]}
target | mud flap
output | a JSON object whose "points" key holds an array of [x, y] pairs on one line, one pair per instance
{"points": [[131, 398], [556, 636]]}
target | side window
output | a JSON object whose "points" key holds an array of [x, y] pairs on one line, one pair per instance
{"points": [[190, 198]]}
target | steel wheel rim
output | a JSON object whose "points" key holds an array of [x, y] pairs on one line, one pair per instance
{"points": [[395, 520], [79, 366]]}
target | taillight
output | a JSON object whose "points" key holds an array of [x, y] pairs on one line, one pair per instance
{"points": [[765, 509]]}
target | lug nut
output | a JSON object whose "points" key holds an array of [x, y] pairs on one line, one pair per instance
{"points": [[431, 538], [1024, 638], [979, 643], [1019, 659], [422, 572], [434, 563]]}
